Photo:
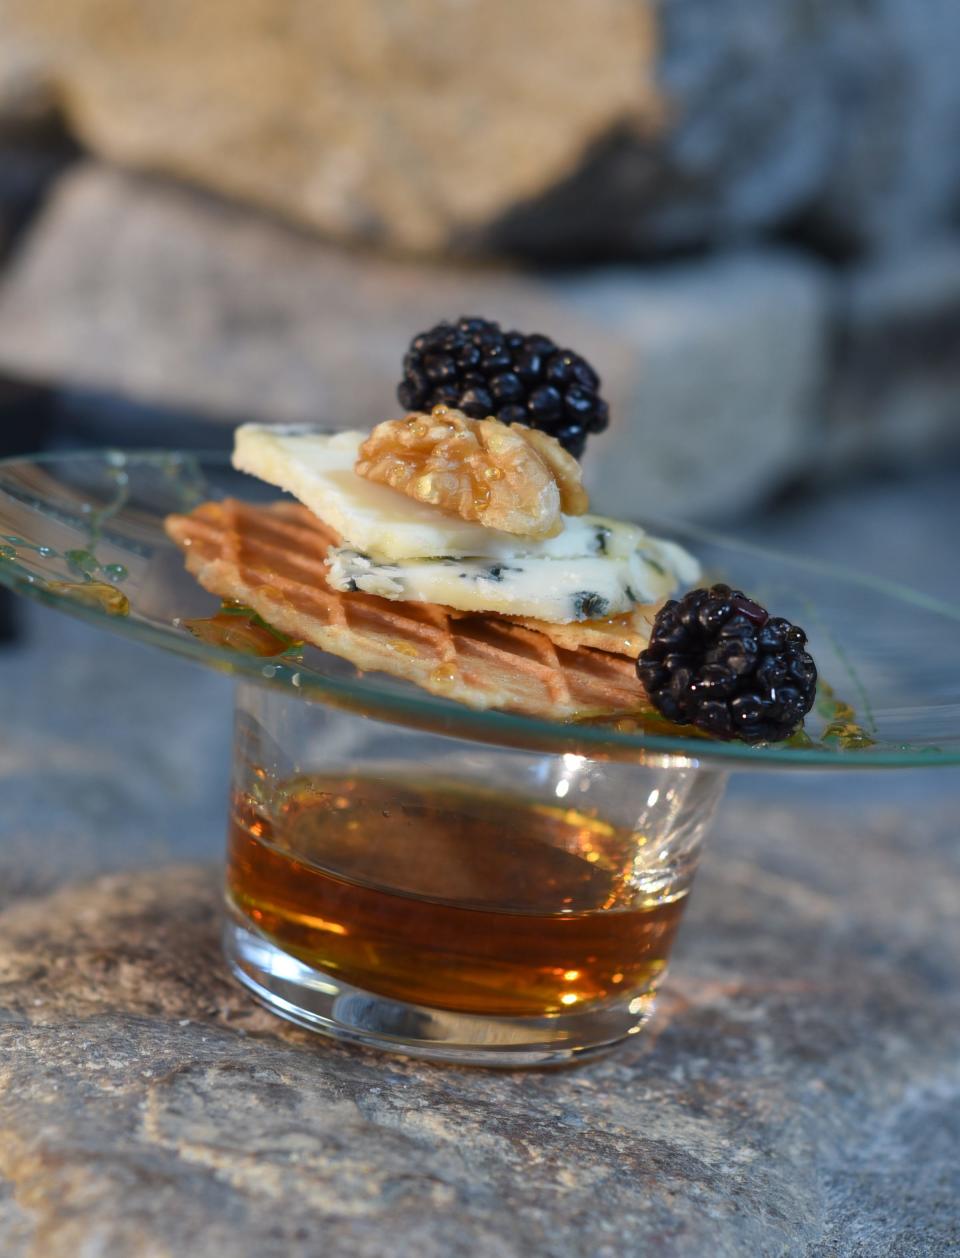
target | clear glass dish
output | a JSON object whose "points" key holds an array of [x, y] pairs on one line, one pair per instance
{"points": [[409, 873], [84, 533]]}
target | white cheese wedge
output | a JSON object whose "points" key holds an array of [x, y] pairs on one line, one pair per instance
{"points": [[405, 550], [317, 468], [555, 590]]}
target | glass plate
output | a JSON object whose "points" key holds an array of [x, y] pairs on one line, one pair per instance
{"points": [[84, 533]]}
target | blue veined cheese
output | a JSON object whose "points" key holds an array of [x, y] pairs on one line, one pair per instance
{"points": [[549, 589], [317, 468]]}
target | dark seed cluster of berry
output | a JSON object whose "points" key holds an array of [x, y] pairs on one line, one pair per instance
{"points": [[719, 661], [474, 365]]}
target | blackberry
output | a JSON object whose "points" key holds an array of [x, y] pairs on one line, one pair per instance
{"points": [[721, 662], [474, 365]]}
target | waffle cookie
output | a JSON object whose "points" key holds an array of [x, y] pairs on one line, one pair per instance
{"points": [[272, 558]]}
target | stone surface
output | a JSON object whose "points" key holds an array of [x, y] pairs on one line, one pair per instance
{"points": [[797, 1093], [897, 392], [466, 126], [414, 127], [149, 292]]}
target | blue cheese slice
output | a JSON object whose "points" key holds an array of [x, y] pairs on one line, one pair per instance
{"points": [[317, 468], [555, 590]]}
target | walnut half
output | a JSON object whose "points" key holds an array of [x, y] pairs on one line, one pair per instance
{"points": [[506, 477]]}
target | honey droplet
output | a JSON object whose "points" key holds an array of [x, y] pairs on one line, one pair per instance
{"points": [[239, 628], [94, 594], [405, 648], [443, 675]]}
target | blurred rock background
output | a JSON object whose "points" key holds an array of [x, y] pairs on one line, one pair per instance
{"points": [[747, 215]]}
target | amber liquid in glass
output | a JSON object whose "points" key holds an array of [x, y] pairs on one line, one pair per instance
{"points": [[425, 892]]}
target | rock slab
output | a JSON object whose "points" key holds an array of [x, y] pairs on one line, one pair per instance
{"points": [[796, 1094]]}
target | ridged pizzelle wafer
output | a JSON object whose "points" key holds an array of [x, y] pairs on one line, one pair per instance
{"points": [[272, 558]]}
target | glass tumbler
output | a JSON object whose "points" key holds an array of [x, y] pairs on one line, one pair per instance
{"points": [[446, 898]]}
